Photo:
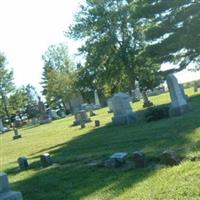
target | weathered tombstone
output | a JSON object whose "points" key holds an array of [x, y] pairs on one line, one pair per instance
{"points": [[169, 158], [147, 103], [96, 98], [110, 106], [179, 104], [2, 128], [92, 113], [16, 134], [116, 160], [43, 116], [139, 159], [5, 191], [23, 163], [46, 160], [34, 121], [82, 124], [138, 94], [97, 123], [122, 110], [183, 92], [81, 117], [76, 102]]}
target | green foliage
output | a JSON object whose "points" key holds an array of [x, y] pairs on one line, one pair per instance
{"points": [[156, 113], [113, 45], [172, 30], [58, 75], [6, 85]]}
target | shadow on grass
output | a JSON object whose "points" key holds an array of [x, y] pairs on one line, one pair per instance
{"points": [[78, 181]]}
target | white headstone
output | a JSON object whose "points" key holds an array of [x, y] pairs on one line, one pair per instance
{"points": [[96, 98], [123, 113], [179, 104]]}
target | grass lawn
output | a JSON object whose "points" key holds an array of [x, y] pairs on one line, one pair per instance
{"points": [[74, 148]]}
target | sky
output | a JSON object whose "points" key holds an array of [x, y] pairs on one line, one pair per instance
{"points": [[28, 27]]}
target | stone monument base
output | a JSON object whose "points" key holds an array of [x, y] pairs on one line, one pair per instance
{"points": [[11, 196], [124, 119], [177, 111]]}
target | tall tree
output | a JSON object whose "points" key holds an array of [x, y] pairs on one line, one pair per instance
{"points": [[113, 40], [173, 30], [6, 85], [58, 75]]}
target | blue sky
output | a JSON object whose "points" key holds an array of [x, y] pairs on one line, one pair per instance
{"points": [[28, 27]]}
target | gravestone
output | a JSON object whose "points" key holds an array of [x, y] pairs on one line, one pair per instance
{"points": [[96, 99], [137, 93], [116, 160], [46, 160], [147, 103], [196, 86], [92, 113], [110, 106], [76, 102], [179, 104], [169, 158], [23, 163], [122, 110], [183, 92], [35, 121], [43, 116], [97, 123], [139, 159], [5, 191], [81, 117], [2, 128], [16, 134]]}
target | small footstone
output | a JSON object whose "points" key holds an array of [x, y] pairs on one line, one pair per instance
{"points": [[23, 163], [82, 125], [46, 160], [97, 123], [139, 159], [116, 160], [169, 158]]}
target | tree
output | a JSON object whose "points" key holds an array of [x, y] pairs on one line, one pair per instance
{"points": [[172, 31], [113, 41], [6, 85], [58, 75]]}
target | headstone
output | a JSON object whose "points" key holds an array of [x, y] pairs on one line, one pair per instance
{"points": [[46, 160], [183, 92], [53, 114], [97, 123], [96, 98], [147, 103], [82, 124], [116, 160], [43, 116], [35, 121], [179, 104], [5, 191], [196, 86], [110, 106], [2, 128], [122, 110], [81, 117], [92, 113], [138, 94], [23, 163], [76, 102], [16, 134], [139, 159], [169, 158]]}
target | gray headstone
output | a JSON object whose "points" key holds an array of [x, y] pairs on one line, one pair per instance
{"points": [[46, 160], [110, 106], [23, 163], [16, 134], [147, 103], [43, 116], [122, 110], [97, 123], [179, 104], [96, 98], [2, 128], [5, 191], [81, 117]]}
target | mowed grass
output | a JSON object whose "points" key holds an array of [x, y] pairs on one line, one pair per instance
{"points": [[74, 149]]}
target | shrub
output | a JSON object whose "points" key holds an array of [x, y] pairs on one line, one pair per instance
{"points": [[156, 113]]}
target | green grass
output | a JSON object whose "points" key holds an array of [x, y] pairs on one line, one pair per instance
{"points": [[73, 148]]}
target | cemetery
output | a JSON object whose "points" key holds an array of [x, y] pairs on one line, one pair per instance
{"points": [[56, 160], [100, 100]]}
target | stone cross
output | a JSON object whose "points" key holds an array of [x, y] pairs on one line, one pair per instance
{"points": [[5, 191], [179, 104], [122, 110]]}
